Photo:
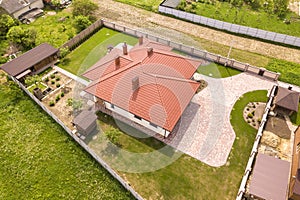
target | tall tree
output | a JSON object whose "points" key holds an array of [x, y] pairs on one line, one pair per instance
{"points": [[81, 22], [85, 8]]}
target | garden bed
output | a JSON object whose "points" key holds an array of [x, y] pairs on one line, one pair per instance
{"points": [[253, 113]]}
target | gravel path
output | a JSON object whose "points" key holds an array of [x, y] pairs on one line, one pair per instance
{"points": [[141, 19]]}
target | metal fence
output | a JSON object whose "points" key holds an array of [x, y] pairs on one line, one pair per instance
{"points": [[254, 150], [234, 28], [196, 52], [80, 142]]}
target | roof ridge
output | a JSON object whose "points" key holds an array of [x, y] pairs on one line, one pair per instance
{"points": [[170, 77], [170, 53]]}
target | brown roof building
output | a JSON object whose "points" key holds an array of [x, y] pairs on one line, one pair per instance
{"points": [[287, 98], [148, 82], [294, 186], [270, 178], [32, 61]]}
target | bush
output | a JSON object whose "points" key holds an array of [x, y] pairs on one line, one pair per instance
{"points": [[52, 82], [46, 79], [51, 103], [57, 85], [250, 115], [57, 98], [253, 112], [57, 78], [62, 94], [259, 120], [52, 76]]}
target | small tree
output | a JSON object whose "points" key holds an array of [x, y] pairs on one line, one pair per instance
{"points": [[84, 7], [81, 22], [30, 80], [24, 37], [6, 22], [113, 135], [63, 52]]}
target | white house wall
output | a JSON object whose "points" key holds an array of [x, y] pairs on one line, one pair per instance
{"points": [[142, 122], [36, 4]]}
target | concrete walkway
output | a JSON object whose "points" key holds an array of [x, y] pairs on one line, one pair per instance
{"points": [[72, 76], [205, 132]]}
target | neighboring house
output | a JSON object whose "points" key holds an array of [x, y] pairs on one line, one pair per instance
{"points": [[31, 62], [148, 84], [294, 186], [22, 9], [287, 99]]}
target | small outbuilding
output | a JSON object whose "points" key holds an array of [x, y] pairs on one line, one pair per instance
{"points": [[270, 178], [287, 99], [85, 122], [31, 62]]}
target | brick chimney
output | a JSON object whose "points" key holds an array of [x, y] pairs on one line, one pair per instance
{"points": [[117, 62], [125, 50], [135, 83], [150, 51], [141, 40]]}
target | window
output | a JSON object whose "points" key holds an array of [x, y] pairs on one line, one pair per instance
{"points": [[139, 118], [154, 125]]}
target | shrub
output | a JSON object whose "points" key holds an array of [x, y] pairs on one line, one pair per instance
{"points": [[51, 103], [46, 79], [57, 98], [259, 120], [253, 112], [52, 82], [52, 76], [57, 78], [57, 85], [62, 94], [250, 115]]}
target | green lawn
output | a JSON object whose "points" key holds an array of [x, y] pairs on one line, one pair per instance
{"points": [[217, 71], [40, 161], [247, 17], [151, 5], [89, 52], [188, 178]]}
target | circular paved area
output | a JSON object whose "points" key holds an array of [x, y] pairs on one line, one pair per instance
{"points": [[205, 132]]}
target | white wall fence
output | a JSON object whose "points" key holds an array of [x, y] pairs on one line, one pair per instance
{"points": [[254, 150], [234, 28], [197, 52], [81, 143]]}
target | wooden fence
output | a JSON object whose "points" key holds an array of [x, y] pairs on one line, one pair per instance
{"points": [[254, 150], [196, 52], [80, 142], [233, 28]]}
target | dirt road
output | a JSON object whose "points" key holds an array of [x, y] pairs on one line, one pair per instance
{"points": [[167, 26]]}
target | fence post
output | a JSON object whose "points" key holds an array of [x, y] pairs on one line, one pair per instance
{"points": [[192, 50], [246, 67], [277, 76]]}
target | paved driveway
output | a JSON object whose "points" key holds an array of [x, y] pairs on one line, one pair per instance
{"points": [[205, 131]]}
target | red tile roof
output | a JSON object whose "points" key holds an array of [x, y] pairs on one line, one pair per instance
{"points": [[164, 91]]}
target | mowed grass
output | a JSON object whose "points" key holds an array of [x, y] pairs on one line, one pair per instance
{"points": [[217, 71], [151, 5], [40, 161], [89, 52], [186, 177]]}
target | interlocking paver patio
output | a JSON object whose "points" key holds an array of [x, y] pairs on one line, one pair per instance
{"points": [[205, 131]]}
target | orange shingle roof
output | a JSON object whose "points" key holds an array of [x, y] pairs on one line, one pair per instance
{"points": [[164, 91]]}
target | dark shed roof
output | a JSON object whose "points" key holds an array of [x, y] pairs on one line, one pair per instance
{"points": [[28, 59], [12, 6], [288, 99], [270, 178], [85, 119]]}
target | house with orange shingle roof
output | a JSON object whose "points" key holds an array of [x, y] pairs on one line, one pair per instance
{"points": [[148, 84]]}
